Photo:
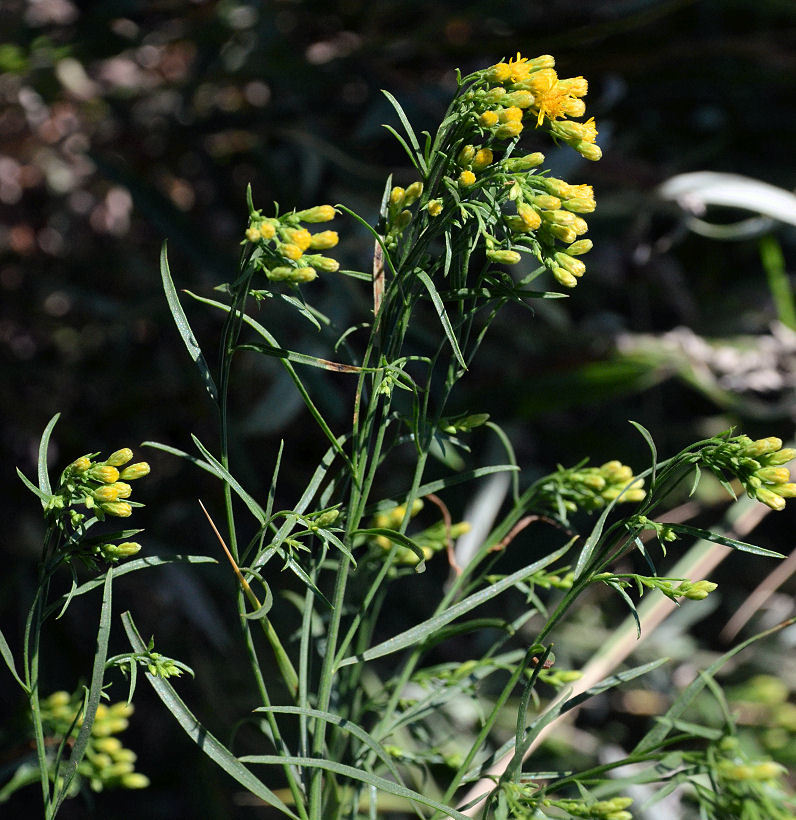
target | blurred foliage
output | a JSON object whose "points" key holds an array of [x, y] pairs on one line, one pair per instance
{"points": [[123, 123]]}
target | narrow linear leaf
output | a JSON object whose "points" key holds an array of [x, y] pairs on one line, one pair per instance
{"points": [[180, 319], [651, 444], [301, 358], [718, 538], [611, 681], [254, 508], [197, 462], [8, 657], [44, 444], [431, 625], [94, 693], [45, 497], [443, 316], [362, 776], [216, 751], [128, 567], [344, 723], [409, 131], [400, 539], [402, 142], [629, 602]]}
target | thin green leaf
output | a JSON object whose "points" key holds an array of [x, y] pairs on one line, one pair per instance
{"points": [[269, 504], [301, 358], [409, 131], [94, 693], [403, 143], [611, 681], [344, 723], [651, 444], [428, 627], [443, 316], [44, 475], [254, 508], [131, 566], [45, 498], [180, 319], [8, 657], [217, 752], [400, 539], [197, 462], [629, 602], [356, 774], [718, 538]]}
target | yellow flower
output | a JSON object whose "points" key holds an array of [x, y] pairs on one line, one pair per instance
{"points": [[488, 119], [320, 213], [466, 179], [434, 207], [508, 130], [511, 114], [267, 230], [324, 240], [575, 86], [482, 158], [120, 457], [300, 237], [529, 216], [290, 251], [252, 234], [498, 73]]}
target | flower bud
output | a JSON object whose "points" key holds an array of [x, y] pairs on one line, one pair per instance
{"points": [[128, 549], [504, 257], [785, 490], [580, 226], [508, 130], [134, 471], [466, 179], [563, 233], [134, 780], [267, 229], [466, 155], [774, 475], [574, 266], [526, 163], [498, 73], [304, 274], [546, 202], [120, 457], [763, 446], [300, 237], [530, 217], [579, 205], [482, 158], [80, 465], [397, 196], [574, 86], [510, 114], [494, 95], [108, 492], [104, 472], [252, 234], [572, 107], [324, 240], [291, 251], [328, 518], [519, 99], [580, 247], [405, 217], [413, 193], [320, 213], [119, 509], [434, 207], [488, 119], [773, 500], [323, 263], [564, 277], [782, 456], [588, 150]]}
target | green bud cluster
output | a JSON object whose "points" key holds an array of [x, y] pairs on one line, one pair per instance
{"points": [[399, 213], [279, 244], [107, 763], [614, 809], [590, 488], [758, 465], [672, 588]]}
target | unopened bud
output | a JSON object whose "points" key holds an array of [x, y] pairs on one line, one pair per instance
{"points": [[773, 500], [397, 196], [525, 163], [80, 465], [504, 257], [483, 157], [413, 193], [104, 472], [466, 179], [320, 213], [774, 475], [466, 155], [588, 150], [508, 130], [434, 207], [134, 471], [119, 509], [580, 247], [108, 492], [119, 457], [324, 240]]}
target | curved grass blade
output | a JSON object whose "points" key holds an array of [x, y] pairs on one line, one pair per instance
{"points": [[8, 657], [379, 783], [718, 538], [443, 316], [302, 358], [94, 692], [651, 444], [180, 319], [254, 508], [420, 159], [45, 497], [344, 723], [428, 627], [197, 462], [131, 566], [44, 476], [402, 142], [217, 752]]}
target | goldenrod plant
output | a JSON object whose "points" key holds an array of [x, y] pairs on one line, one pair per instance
{"points": [[354, 724]]}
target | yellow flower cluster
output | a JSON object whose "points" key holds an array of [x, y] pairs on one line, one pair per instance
{"points": [[102, 487], [530, 89], [107, 764], [282, 243], [399, 214]]}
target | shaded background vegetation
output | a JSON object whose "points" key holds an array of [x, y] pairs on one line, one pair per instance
{"points": [[123, 123]]}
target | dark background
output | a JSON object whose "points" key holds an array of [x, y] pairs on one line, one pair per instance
{"points": [[126, 123]]}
